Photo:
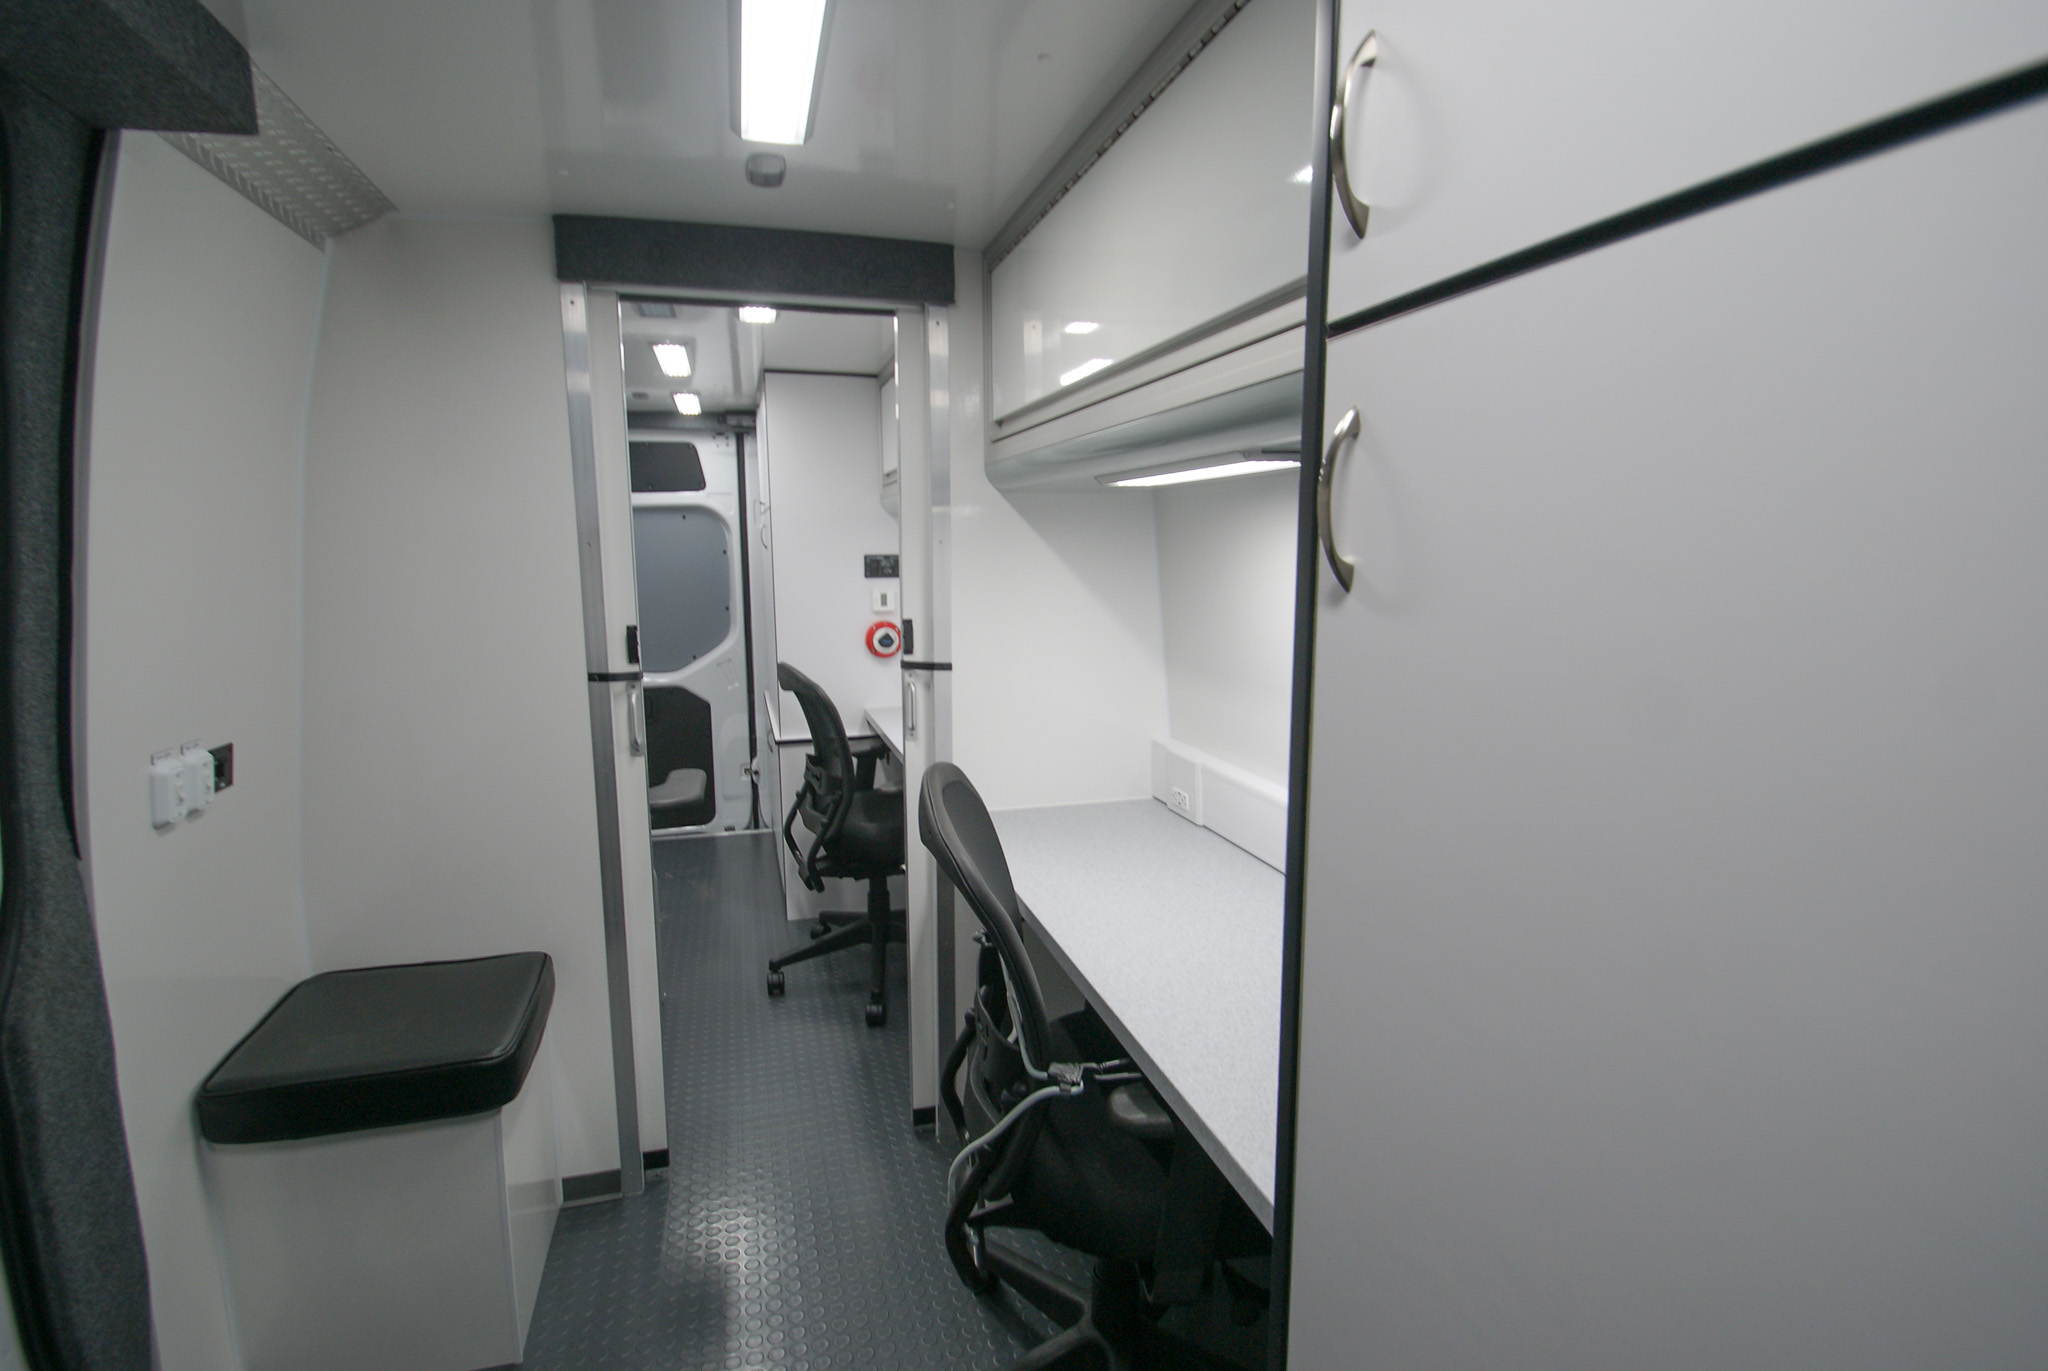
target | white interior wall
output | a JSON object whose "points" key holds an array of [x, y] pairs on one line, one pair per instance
{"points": [[449, 802], [189, 614], [1059, 679], [820, 440], [1226, 595]]}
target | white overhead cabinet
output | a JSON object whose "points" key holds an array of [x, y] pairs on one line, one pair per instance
{"points": [[1673, 942], [1185, 243], [1482, 129]]}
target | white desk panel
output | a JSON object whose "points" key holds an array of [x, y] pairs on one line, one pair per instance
{"points": [[1173, 934], [888, 726]]}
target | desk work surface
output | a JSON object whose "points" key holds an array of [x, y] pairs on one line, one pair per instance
{"points": [[888, 726], [1174, 935]]}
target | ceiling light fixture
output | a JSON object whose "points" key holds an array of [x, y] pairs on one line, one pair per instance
{"points": [[672, 358], [1086, 369], [1080, 326], [757, 314], [781, 52], [1240, 464], [687, 402]]}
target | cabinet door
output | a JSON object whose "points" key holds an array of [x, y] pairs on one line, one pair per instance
{"points": [[1484, 128], [1676, 924]]}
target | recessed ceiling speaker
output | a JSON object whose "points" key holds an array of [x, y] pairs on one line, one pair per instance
{"points": [[766, 168]]}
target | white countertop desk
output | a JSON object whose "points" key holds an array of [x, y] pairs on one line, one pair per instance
{"points": [[1173, 934], [888, 726]]}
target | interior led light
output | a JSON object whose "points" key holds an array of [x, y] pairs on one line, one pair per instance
{"points": [[1215, 473], [1087, 368], [782, 46], [757, 314], [673, 359], [688, 403], [1305, 176], [1081, 326]]}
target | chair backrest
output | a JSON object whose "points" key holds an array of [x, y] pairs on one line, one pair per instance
{"points": [[954, 824], [829, 773]]}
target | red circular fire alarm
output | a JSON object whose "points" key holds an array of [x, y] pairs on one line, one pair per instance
{"points": [[884, 638]]}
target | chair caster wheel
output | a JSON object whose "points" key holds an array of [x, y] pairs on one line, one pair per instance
{"points": [[775, 983], [878, 1013]]}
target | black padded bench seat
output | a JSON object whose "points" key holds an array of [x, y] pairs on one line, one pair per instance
{"points": [[383, 1045]]}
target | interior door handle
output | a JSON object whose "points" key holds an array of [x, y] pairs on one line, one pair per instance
{"points": [[909, 709], [1340, 566], [636, 721], [1356, 210]]}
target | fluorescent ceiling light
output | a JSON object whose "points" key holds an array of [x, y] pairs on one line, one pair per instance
{"points": [[1242, 467], [1087, 368], [756, 314], [782, 45], [672, 358], [1081, 326], [688, 403], [1305, 176]]}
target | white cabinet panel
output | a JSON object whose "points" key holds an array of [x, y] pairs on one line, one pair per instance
{"points": [[1674, 939], [1198, 209], [1485, 128]]}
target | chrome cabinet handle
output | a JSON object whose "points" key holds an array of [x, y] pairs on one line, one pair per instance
{"points": [[636, 723], [1340, 566], [1355, 209], [910, 709]]}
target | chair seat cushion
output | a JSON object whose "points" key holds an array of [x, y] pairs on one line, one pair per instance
{"points": [[684, 786], [383, 1045]]}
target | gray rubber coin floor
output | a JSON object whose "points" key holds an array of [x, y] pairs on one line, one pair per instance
{"points": [[798, 1223]]}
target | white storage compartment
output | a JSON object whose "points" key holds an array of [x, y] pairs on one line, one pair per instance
{"points": [[1482, 129], [379, 1201], [1196, 217]]}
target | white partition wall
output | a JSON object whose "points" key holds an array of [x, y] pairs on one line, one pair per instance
{"points": [[819, 442], [448, 807], [190, 485]]}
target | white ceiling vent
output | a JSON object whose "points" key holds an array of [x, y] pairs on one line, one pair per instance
{"points": [[290, 169]]}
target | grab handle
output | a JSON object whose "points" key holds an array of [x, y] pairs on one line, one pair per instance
{"points": [[1356, 210], [1340, 566]]}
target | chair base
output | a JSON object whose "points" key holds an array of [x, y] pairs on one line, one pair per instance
{"points": [[1107, 1327], [837, 930]]}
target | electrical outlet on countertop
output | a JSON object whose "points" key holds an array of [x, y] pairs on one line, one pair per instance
{"points": [[1183, 801]]}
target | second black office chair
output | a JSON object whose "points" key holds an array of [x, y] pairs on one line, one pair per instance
{"points": [[1068, 1139], [856, 832]]}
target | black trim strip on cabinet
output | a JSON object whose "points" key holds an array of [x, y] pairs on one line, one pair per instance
{"points": [[1303, 696], [1865, 140], [601, 677], [909, 665]]}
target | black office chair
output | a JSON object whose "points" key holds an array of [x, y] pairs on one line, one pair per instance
{"points": [[856, 832], [1067, 1139]]}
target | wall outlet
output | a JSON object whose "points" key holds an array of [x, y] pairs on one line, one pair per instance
{"points": [[1181, 800]]}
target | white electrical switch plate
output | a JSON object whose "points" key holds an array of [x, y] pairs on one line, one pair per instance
{"points": [[198, 768], [180, 784], [883, 598]]}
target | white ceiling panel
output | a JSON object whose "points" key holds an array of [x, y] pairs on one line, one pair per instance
{"points": [[934, 119]]}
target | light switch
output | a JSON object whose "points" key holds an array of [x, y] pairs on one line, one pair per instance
{"points": [[883, 598], [181, 783], [166, 789]]}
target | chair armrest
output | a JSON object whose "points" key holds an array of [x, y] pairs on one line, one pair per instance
{"points": [[865, 752]]}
